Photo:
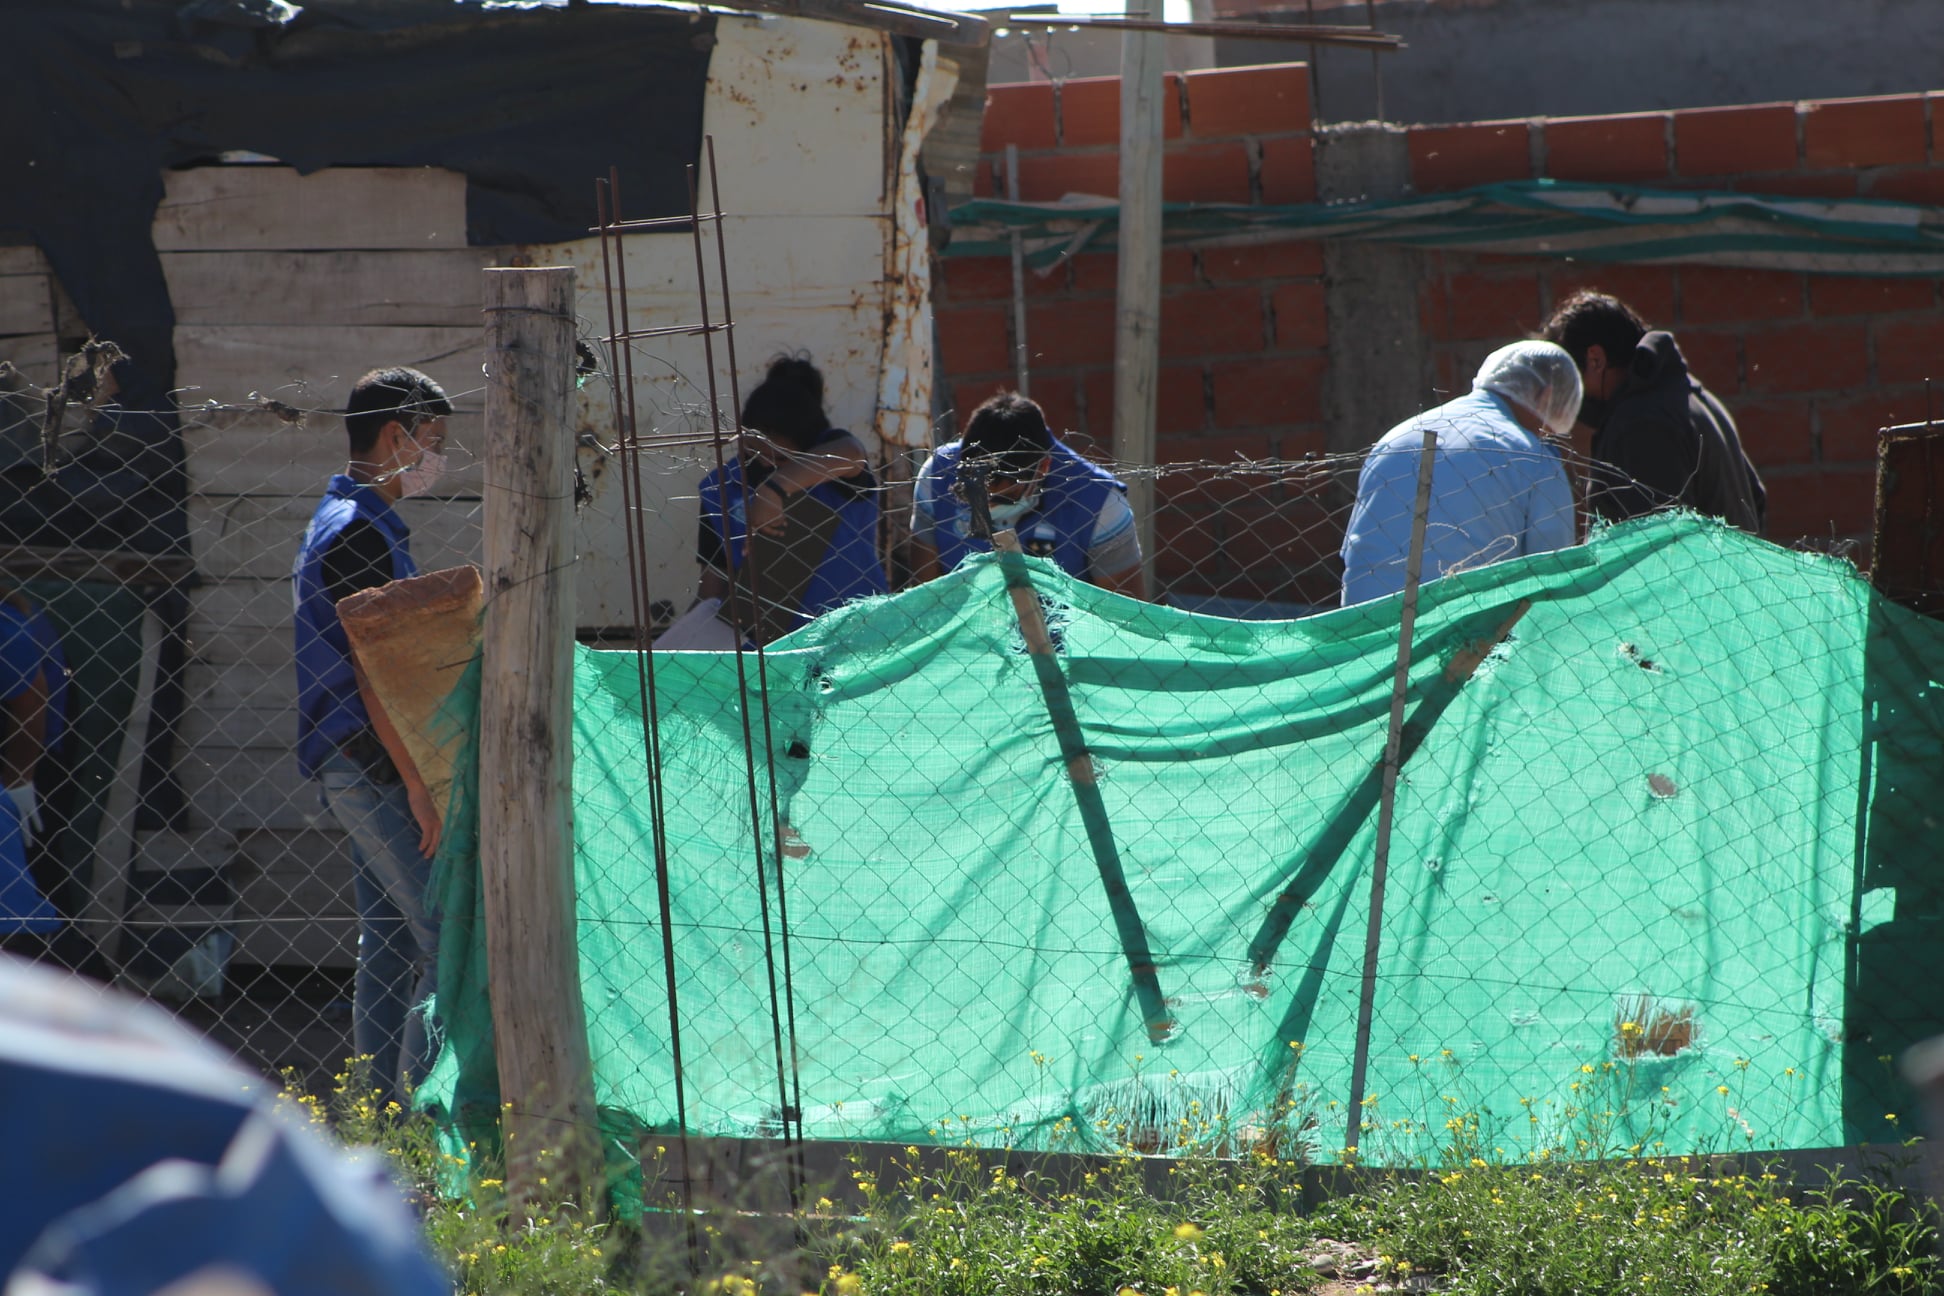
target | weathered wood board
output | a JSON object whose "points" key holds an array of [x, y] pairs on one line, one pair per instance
{"points": [[434, 286], [228, 208], [26, 304]]}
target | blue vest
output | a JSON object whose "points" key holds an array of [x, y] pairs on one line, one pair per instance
{"points": [[850, 568], [54, 665], [1061, 527], [329, 709], [33, 646]]}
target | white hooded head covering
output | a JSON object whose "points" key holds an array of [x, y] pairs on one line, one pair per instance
{"points": [[1539, 377]]}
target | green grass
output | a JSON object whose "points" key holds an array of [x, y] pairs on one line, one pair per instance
{"points": [[957, 1225], [1630, 1226]]}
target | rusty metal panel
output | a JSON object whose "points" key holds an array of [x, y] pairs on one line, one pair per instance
{"points": [[1907, 549], [798, 112]]}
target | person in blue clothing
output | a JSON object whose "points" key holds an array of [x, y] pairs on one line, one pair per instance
{"points": [[396, 425], [1498, 489], [26, 915], [138, 1158], [44, 797], [1060, 505], [793, 452]]}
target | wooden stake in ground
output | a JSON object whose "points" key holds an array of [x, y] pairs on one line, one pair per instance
{"points": [[1156, 1015], [526, 852]]}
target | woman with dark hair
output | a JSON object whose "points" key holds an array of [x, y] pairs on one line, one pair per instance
{"points": [[808, 496]]}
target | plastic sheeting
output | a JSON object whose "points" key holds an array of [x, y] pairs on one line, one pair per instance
{"points": [[1630, 897], [103, 95], [1598, 223]]}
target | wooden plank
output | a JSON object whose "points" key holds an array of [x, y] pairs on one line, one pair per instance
{"points": [[26, 304], [22, 259], [269, 647], [67, 316], [311, 943], [312, 367], [267, 208], [240, 603], [1137, 296], [255, 537], [267, 733], [258, 688], [260, 454], [306, 888], [240, 791], [431, 286], [34, 562], [314, 851], [36, 355], [107, 878]]}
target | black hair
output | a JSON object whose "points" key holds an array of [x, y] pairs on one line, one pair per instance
{"points": [[1010, 430], [1592, 318], [788, 403], [390, 395]]}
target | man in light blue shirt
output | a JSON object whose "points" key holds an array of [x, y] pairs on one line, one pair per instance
{"points": [[1498, 490]]}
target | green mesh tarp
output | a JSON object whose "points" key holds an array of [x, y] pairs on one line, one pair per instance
{"points": [[1631, 871], [1597, 223]]}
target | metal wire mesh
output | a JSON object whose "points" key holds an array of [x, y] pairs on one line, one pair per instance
{"points": [[200, 869], [972, 965]]}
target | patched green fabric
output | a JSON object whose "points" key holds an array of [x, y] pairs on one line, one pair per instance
{"points": [[1628, 871]]}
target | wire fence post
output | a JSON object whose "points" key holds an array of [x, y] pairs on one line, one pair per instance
{"points": [[1387, 802], [525, 753]]}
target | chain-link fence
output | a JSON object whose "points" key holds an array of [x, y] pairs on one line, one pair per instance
{"points": [[177, 848], [1609, 844], [1651, 805]]}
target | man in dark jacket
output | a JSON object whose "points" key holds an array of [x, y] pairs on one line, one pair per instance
{"points": [[1660, 439]]}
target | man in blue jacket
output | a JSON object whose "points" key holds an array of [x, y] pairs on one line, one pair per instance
{"points": [[1061, 506], [396, 424]]}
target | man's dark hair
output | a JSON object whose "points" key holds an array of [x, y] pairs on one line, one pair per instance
{"points": [[1010, 431], [788, 403], [385, 395], [1593, 318]]}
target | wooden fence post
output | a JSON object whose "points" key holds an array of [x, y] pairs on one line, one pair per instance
{"points": [[526, 849], [1137, 297]]}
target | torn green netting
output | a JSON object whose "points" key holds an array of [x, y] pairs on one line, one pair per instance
{"points": [[1669, 854]]}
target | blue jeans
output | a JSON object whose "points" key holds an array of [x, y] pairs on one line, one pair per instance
{"points": [[398, 934]]}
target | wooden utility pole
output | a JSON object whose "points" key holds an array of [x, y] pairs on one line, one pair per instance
{"points": [[1137, 328], [526, 847]]}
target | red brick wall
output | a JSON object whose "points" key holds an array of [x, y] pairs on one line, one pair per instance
{"points": [[1242, 330], [1811, 365]]}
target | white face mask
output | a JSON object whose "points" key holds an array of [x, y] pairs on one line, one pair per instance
{"points": [[423, 475], [1006, 514]]}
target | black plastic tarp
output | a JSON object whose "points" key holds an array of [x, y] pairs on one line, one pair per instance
{"points": [[102, 96]]}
